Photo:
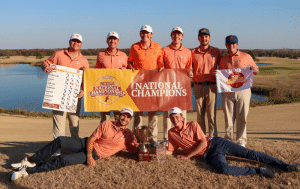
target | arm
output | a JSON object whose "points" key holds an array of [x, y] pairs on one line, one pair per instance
{"points": [[89, 149], [201, 145], [46, 64]]}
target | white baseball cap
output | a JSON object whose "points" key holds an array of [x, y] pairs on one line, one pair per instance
{"points": [[175, 110], [127, 110], [177, 29], [76, 36], [146, 28], [113, 34]]}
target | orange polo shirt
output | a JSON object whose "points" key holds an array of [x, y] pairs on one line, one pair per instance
{"points": [[109, 61], [63, 58], [205, 63], [187, 138], [237, 60], [177, 58], [146, 59], [111, 139]]}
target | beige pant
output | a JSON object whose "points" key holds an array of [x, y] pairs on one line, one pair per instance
{"points": [[236, 108], [206, 97], [168, 124], [105, 116], [59, 122], [152, 124]]}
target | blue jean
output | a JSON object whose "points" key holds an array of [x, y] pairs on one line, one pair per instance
{"points": [[220, 147], [76, 145]]}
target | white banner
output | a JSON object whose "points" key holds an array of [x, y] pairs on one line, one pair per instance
{"points": [[232, 80], [63, 86]]}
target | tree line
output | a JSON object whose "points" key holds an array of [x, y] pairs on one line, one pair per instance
{"points": [[282, 53]]}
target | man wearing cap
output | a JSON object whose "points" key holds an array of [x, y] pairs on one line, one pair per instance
{"points": [[74, 59], [146, 55], [108, 139], [176, 56], [111, 58], [190, 137], [236, 104], [205, 61]]}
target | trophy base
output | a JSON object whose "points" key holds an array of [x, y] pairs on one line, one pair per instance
{"points": [[143, 156]]}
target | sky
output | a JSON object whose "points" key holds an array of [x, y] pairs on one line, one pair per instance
{"points": [[40, 24]]}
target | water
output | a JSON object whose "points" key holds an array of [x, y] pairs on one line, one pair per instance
{"points": [[23, 86]]}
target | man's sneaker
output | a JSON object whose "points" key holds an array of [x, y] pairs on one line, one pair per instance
{"points": [[57, 153], [18, 174], [294, 167], [23, 164], [268, 173], [243, 144]]}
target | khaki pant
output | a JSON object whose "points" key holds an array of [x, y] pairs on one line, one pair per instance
{"points": [[59, 122], [205, 98], [236, 108], [152, 124], [105, 116], [168, 124]]}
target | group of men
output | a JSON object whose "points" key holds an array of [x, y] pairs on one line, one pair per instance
{"points": [[201, 64]]}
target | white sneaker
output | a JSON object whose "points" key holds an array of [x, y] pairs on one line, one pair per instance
{"points": [[243, 144], [18, 174], [57, 153], [23, 164]]}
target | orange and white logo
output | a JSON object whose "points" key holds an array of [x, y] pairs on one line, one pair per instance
{"points": [[107, 90], [236, 80]]}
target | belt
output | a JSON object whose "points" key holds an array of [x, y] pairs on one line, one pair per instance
{"points": [[206, 83], [208, 146]]}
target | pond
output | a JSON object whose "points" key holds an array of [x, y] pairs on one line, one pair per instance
{"points": [[23, 86]]}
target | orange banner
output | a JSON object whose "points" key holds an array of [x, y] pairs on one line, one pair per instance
{"points": [[143, 90]]}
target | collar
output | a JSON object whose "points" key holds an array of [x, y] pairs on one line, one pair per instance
{"points": [[117, 128], [235, 54], [182, 130], [67, 52], [141, 46], [203, 52], [180, 48], [117, 53]]}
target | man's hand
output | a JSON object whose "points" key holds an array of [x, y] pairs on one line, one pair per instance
{"points": [[182, 157], [81, 93], [48, 70], [160, 69], [91, 161], [190, 74], [255, 70]]}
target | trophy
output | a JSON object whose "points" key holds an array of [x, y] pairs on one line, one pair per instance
{"points": [[143, 154]]}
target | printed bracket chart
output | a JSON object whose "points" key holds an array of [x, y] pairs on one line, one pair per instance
{"points": [[63, 86]]}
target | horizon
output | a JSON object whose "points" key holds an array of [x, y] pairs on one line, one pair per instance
{"points": [[48, 25]]}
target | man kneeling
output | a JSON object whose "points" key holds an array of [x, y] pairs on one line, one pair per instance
{"points": [[108, 139], [192, 140]]}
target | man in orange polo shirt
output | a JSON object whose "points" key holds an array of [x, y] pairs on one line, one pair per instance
{"points": [[108, 139], [236, 104], [205, 61], [176, 56], [74, 59], [146, 55], [111, 58], [192, 140]]}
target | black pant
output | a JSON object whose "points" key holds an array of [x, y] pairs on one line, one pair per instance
{"points": [[77, 145]]}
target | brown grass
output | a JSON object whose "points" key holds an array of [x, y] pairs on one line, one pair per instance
{"points": [[123, 171]]}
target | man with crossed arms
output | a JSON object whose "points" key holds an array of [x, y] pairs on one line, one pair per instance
{"points": [[146, 55], [205, 61], [111, 58], [176, 56]]}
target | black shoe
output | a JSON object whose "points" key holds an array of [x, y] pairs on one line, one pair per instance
{"points": [[294, 167], [268, 173]]}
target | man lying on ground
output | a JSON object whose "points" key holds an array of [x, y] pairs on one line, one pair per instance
{"points": [[192, 140], [108, 139]]}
